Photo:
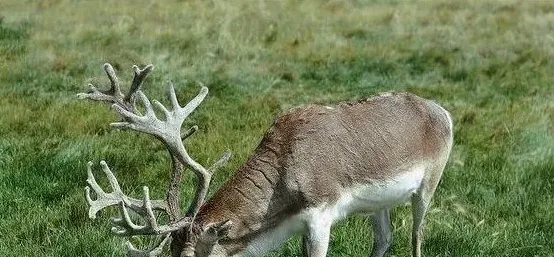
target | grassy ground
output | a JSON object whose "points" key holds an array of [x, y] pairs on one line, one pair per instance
{"points": [[489, 63]]}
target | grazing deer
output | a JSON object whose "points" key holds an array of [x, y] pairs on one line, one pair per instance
{"points": [[314, 166]]}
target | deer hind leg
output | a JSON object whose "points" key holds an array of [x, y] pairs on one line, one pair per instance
{"points": [[420, 205], [305, 245], [419, 208], [316, 242], [382, 231]]}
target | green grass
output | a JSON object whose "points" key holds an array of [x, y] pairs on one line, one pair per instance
{"points": [[489, 63]]}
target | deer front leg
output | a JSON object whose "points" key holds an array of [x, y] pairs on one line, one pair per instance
{"points": [[382, 232], [316, 242], [420, 205]]}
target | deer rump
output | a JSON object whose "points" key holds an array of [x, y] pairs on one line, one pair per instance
{"points": [[319, 162]]}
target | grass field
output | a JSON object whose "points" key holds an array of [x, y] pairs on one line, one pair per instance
{"points": [[490, 63]]}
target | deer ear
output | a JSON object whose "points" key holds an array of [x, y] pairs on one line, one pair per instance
{"points": [[218, 230]]}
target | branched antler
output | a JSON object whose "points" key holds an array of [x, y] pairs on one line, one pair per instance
{"points": [[168, 131], [104, 199], [123, 225], [114, 94]]}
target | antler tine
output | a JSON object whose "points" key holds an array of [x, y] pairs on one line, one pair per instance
{"points": [[221, 162], [189, 132], [114, 90], [104, 199], [190, 106], [138, 79]]}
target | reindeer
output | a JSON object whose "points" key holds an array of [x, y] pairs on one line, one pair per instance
{"points": [[314, 166]]}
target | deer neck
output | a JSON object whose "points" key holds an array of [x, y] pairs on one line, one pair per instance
{"points": [[259, 204]]}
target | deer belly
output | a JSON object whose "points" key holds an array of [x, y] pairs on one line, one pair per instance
{"points": [[363, 198], [376, 195]]}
